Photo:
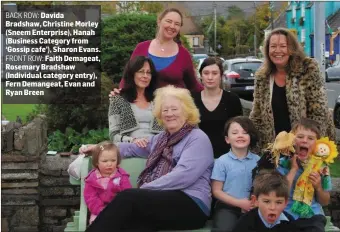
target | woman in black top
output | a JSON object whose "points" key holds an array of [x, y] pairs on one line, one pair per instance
{"points": [[216, 106], [288, 87]]}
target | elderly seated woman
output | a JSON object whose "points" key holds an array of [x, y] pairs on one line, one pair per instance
{"points": [[174, 190]]}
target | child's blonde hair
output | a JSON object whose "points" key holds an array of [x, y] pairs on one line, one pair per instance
{"points": [[104, 146]]}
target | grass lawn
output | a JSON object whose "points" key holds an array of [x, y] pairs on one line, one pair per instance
{"points": [[11, 111], [335, 168]]}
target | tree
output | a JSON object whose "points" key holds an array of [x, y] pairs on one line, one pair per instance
{"points": [[106, 7], [28, 3], [151, 7], [120, 35], [235, 12], [125, 7], [207, 25]]}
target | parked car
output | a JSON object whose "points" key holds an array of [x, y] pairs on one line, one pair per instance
{"points": [[333, 72], [199, 63], [197, 57], [239, 75], [336, 113]]}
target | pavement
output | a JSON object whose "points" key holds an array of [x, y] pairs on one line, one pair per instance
{"points": [[333, 91]]}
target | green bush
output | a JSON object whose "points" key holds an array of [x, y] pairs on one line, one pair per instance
{"points": [[120, 35], [71, 140], [81, 117]]}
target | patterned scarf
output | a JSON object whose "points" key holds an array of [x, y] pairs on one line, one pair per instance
{"points": [[160, 161]]}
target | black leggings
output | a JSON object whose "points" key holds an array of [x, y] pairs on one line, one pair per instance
{"points": [[316, 223], [142, 210]]}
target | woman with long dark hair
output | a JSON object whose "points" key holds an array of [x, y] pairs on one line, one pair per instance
{"points": [[130, 113]]}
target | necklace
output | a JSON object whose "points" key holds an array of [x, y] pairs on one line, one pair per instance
{"points": [[161, 45]]}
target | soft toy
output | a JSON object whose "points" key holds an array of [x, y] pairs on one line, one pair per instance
{"points": [[323, 154], [283, 145]]}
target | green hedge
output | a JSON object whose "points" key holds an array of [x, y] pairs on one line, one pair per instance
{"points": [[120, 35]]}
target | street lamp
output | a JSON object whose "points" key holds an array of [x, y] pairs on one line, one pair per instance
{"points": [[255, 29], [271, 7]]}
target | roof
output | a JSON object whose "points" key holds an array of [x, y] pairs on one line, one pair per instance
{"points": [[334, 21], [190, 27], [236, 60]]}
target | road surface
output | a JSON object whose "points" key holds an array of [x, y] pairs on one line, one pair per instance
{"points": [[333, 91]]}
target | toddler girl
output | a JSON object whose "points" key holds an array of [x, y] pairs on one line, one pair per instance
{"points": [[106, 179]]}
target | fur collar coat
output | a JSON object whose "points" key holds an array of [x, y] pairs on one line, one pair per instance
{"points": [[306, 98]]}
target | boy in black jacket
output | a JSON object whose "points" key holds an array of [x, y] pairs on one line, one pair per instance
{"points": [[270, 198]]}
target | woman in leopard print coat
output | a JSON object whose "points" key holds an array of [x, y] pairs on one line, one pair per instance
{"points": [[288, 87]]}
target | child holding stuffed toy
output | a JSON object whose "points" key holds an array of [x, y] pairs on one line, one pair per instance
{"points": [[106, 179], [309, 187], [231, 175]]}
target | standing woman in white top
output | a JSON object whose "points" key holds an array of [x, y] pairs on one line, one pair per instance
{"points": [[130, 113]]}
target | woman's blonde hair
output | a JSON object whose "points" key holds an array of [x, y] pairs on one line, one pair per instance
{"points": [[188, 105], [295, 51]]}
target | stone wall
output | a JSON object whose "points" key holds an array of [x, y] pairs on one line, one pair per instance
{"points": [[20, 178], [36, 193], [58, 199]]}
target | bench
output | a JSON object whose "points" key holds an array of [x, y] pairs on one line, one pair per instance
{"points": [[134, 166]]}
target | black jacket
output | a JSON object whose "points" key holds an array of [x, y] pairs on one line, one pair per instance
{"points": [[251, 222]]}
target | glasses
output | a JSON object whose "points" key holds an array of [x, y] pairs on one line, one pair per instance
{"points": [[146, 73]]}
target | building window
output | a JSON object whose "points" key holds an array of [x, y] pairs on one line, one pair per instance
{"points": [[303, 35], [294, 11], [195, 42], [303, 10]]}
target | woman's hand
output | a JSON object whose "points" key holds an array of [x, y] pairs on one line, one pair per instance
{"points": [[141, 142], [114, 92], [245, 204], [85, 149]]}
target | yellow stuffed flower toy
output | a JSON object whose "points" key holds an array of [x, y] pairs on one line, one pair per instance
{"points": [[323, 154]]}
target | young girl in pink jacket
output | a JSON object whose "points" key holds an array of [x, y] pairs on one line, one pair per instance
{"points": [[106, 179]]}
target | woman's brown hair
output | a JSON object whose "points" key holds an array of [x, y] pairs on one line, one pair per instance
{"points": [[295, 50], [104, 146]]}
